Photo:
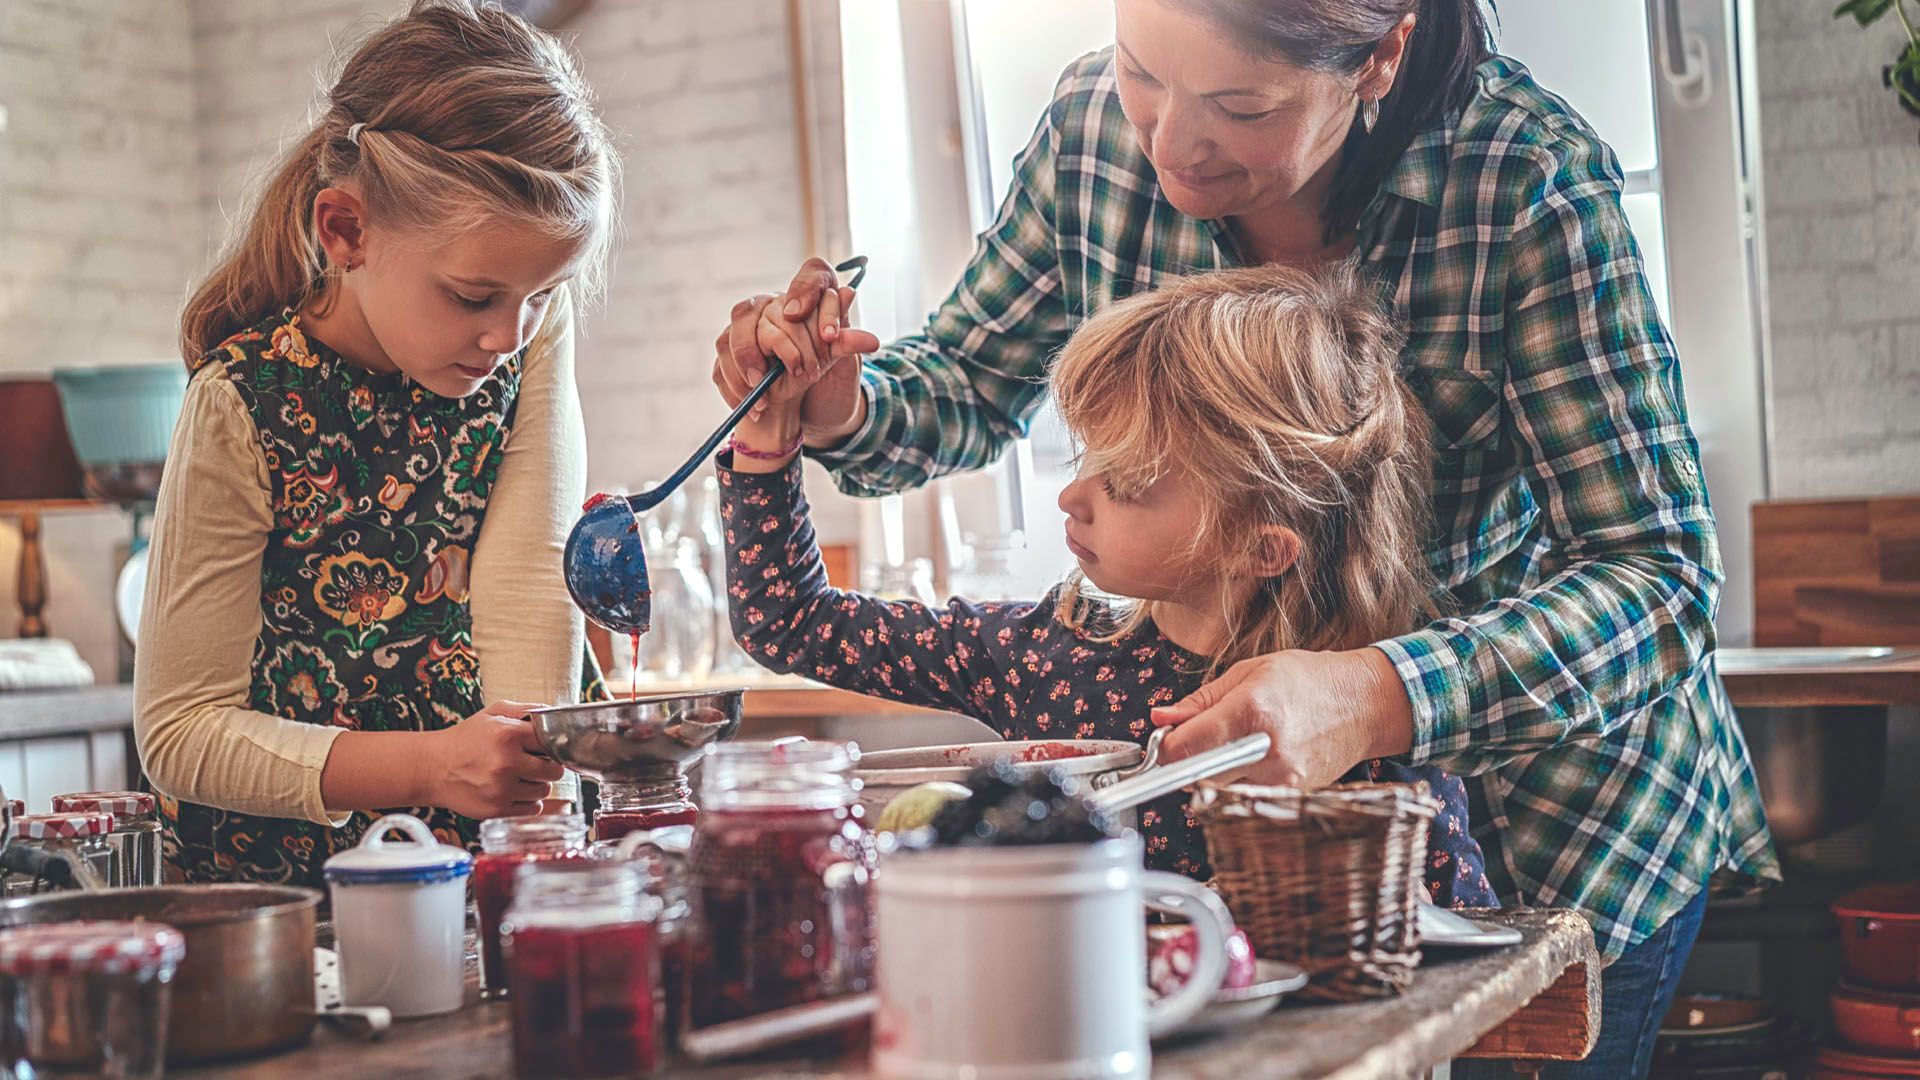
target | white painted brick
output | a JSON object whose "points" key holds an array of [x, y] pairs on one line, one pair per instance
{"points": [[1803, 179], [1804, 123]]}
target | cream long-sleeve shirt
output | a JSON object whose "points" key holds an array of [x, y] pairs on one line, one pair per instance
{"points": [[198, 740]]}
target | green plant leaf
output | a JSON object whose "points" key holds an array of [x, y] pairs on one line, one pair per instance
{"points": [[1864, 12]]}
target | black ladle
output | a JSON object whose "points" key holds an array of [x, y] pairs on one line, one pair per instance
{"points": [[606, 556]]}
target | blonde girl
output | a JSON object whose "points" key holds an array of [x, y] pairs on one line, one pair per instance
{"points": [[1252, 479], [355, 588]]}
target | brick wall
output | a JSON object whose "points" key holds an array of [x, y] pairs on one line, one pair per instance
{"points": [[1841, 185]]}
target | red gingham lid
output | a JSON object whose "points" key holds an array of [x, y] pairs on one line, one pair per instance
{"points": [[63, 826], [113, 802], [97, 947]]}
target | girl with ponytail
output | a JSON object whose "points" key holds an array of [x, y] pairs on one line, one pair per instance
{"points": [[355, 591]]}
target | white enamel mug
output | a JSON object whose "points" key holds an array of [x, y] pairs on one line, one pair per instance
{"points": [[1030, 962], [400, 919]]}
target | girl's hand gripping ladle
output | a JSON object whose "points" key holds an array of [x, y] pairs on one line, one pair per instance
{"points": [[606, 555]]}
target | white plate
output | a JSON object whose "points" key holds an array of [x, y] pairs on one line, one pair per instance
{"points": [[1443, 929], [128, 593], [1273, 980]]}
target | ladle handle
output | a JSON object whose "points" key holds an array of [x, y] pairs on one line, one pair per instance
{"points": [[652, 497]]}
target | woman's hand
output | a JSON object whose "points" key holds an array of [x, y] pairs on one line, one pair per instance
{"points": [[490, 765], [1325, 712], [816, 301]]}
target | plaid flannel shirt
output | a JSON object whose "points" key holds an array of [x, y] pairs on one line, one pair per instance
{"points": [[1572, 531]]}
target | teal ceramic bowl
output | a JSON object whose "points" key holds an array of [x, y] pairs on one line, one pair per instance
{"points": [[121, 414]]}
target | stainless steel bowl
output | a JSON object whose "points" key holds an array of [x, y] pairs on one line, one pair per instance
{"points": [[638, 738]]}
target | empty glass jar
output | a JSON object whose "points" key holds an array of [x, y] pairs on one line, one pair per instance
{"points": [[79, 839], [136, 830]]}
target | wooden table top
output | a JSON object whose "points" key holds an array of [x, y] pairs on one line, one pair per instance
{"points": [[1539, 998]]}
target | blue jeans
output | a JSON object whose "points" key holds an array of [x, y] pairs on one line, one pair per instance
{"points": [[1635, 992]]}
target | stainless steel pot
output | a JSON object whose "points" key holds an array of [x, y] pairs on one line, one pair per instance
{"points": [[246, 985], [1821, 768]]}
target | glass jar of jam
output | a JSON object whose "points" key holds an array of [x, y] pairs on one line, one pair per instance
{"points": [[778, 877], [79, 839], [506, 844], [86, 998], [661, 856], [136, 830], [647, 804], [583, 955]]}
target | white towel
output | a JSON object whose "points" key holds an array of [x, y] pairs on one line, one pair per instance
{"points": [[42, 664]]}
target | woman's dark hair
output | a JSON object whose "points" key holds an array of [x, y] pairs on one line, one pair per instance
{"points": [[1450, 39]]}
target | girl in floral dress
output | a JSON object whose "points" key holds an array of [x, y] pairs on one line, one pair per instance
{"points": [[355, 589], [1251, 479]]}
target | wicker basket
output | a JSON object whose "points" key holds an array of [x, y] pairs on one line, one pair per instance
{"points": [[1324, 879]]}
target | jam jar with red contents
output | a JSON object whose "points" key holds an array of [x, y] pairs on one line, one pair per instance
{"points": [[661, 855], [778, 875], [583, 953], [86, 998], [653, 803], [506, 844]]}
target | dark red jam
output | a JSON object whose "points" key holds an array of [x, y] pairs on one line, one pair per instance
{"points": [[614, 824], [780, 899], [585, 1003], [492, 895]]}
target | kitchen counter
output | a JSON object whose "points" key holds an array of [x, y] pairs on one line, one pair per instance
{"points": [[1538, 999], [1796, 676]]}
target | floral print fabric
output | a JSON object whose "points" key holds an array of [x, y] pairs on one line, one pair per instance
{"points": [[379, 488], [1015, 667]]}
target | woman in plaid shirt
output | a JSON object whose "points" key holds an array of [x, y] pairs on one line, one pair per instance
{"points": [[1576, 688]]}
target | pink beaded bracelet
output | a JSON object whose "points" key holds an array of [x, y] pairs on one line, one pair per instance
{"points": [[734, 444]]}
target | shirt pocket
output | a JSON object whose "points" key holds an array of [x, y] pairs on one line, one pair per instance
{"points": [[1463, 406]]}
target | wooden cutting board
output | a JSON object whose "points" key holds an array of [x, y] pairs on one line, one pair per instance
{"points": [[1837, 572]]}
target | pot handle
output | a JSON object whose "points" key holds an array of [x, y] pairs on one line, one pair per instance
{"points": [[1212, 926], [415, 829], [1149, 759]]}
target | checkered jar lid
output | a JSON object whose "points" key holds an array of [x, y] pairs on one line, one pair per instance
{"points": [[112, 802], [72, 826], [91, 948]]}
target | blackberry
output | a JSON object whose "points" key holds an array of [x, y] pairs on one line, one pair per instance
{"points": [[1007, 808]]}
